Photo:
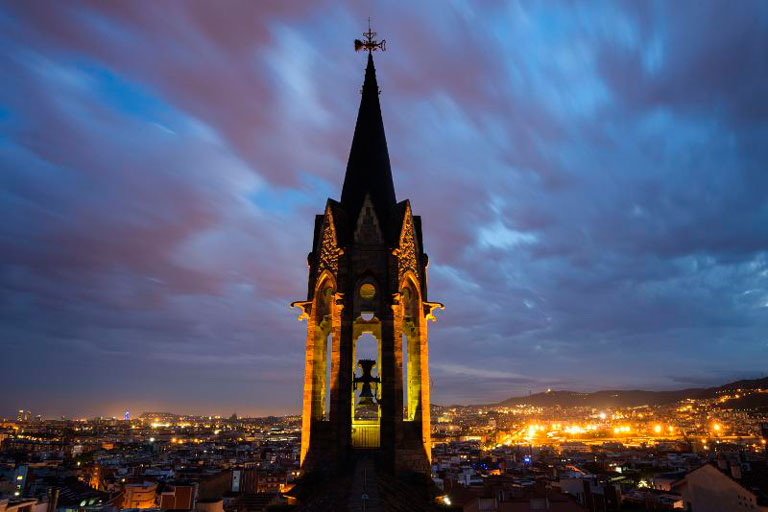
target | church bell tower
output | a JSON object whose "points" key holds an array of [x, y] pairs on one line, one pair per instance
{"points": [[367, 278]]}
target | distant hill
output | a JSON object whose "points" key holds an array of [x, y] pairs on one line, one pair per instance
{"points": [[600, 399], [754, 402], [743, 384], [627, 398]]}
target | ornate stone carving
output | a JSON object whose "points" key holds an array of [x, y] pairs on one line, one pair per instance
{"points": [[407, 252], [330, 251]]}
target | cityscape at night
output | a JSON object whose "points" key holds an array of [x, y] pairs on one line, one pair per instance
{"points": [[341, 256], [637, 452]]}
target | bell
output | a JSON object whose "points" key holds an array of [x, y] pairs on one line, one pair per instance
{"points": [[366, 405], [366, 392], [366, 401]]}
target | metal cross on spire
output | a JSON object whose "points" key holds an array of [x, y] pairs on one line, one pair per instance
{"points": [[370, 44]]}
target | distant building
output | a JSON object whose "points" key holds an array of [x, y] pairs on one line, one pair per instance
{"points": [[574, 447], [252, 503], [709, 489], [178, 496], [210, 505], [602, 497], [75, 496], [253, 481], [517, 500], [22, 505], [139, 495], [20, 480], [596, 495]]}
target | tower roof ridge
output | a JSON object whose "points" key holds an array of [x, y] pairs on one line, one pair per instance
{"points": [[368, 168]]}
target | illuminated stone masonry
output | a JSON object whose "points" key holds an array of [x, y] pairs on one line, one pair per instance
{"points": [[367, 277]]}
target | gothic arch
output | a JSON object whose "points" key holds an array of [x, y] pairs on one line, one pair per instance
{"points": [[322, 313], [367, 308], [413, 350]]}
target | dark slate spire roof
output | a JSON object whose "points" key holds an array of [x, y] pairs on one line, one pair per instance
{"points": [[368, 170]]}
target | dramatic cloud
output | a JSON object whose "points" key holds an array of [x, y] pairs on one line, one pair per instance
{"points": [[591, 177]]}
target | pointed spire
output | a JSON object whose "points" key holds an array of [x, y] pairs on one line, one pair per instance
{"points": [[368, 169]]}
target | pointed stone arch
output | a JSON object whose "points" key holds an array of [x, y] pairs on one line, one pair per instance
{"points": [[322, 325], [367, 312], [411, 312]]}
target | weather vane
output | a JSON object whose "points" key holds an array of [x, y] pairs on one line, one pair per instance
{"points": [[370, 44]]}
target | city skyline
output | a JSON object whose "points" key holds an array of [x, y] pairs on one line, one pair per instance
{"points": [[591, 181], [597, 400]]}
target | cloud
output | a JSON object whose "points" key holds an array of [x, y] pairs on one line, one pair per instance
{"points": [[590, 177]]}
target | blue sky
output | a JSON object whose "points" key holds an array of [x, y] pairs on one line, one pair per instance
{"points": [[591, 177]]}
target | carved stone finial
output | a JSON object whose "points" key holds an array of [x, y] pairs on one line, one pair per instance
{"points": [[429, 309], [305, 306]]}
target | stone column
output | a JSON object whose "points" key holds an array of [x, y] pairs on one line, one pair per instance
{"points": [[309, 388]]}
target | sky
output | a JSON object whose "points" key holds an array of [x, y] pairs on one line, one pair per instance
{"points": [[592, 179]]}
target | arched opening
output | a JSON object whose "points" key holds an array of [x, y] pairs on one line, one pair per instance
{"points": [[411, 352], [366, 360], [321, 371], [366, 411], [367, 389]]}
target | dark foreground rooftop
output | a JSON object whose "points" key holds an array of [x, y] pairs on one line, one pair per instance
{"points": [[367, 489]]}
